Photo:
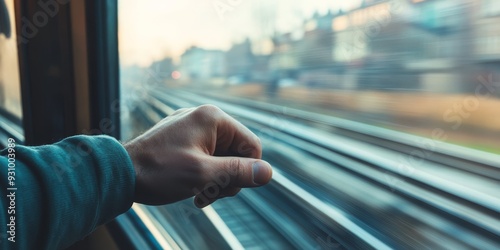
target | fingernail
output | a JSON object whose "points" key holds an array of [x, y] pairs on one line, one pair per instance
{"points": [[260, 172]]}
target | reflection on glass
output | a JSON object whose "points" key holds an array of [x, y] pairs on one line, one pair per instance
{"points": [[10, 94], [429, 68]]}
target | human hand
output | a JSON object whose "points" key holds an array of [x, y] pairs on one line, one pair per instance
{"points": [[196, 151]]}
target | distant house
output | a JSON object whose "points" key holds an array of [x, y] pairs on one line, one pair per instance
{"points": [[486, 40], [414, 45], [200, 64], [240, 60]]}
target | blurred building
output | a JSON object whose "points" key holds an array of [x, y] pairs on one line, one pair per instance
{"points": [[161, 70], [198, 63], [314, 49], [260, 69], [284, 60], [403, 45], [486, 38], [441, 29], [240, 60], [354, 29], [408, 45], [308, 57], [354, 44]]}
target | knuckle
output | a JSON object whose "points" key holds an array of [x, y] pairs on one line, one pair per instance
{"points": [[235, 168], [252, 148], [208, 109], [258, 143], [207, 113]]}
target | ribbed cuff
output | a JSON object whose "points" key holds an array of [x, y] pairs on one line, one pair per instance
{"points": [[117, 179]]}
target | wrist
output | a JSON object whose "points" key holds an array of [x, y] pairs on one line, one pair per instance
{"points": [[133, 155]]}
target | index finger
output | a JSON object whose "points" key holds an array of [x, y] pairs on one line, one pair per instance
{"points": [[234, 139]]}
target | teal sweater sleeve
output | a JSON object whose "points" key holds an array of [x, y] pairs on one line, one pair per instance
{"points": [[62, 191]]}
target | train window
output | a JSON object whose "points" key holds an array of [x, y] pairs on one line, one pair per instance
{"points": [[10, 84], [380, 117], [10, 93]]}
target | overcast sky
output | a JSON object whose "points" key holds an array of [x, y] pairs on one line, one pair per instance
{"points": [[153, 29]]}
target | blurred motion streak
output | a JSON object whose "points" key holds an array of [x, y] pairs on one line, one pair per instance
{"points": [[380, 116]]}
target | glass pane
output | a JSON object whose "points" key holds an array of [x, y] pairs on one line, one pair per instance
{"points": [[381, 118], [10, 93]]}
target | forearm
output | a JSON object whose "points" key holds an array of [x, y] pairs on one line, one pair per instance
{"points": [[65, 190]]}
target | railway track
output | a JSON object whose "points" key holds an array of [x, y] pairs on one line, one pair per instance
{"points": [[348, 184], [252, 221]]}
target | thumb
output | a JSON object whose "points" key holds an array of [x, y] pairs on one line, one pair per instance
{"points": [[244, 172]]}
